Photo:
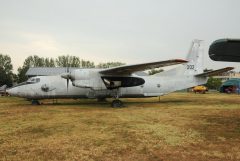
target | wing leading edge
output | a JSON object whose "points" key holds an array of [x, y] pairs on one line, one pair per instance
{"points": [[129, 69]]}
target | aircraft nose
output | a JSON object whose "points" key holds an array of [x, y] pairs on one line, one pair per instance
{"points": [[12, 91]]}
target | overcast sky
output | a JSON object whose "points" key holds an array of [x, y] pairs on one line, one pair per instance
{"points": [[130, 31]]}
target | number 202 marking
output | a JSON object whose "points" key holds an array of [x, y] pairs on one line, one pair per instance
{"points": [[190, 66]]}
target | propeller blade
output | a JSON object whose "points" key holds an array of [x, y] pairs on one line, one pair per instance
{"points": [[67, 83], [67, 75]]}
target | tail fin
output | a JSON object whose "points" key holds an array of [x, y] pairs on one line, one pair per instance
{"points": [[195, 62], [4, 87], [195, 59]]}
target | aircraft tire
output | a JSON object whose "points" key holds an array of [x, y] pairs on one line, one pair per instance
{"points": [[35, 102], [117, 103]]}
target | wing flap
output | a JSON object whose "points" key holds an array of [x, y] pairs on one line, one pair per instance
{"points": [[129, 69], [214, 72]]}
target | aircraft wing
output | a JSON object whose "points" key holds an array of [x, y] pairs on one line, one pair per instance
{"points": [[129, 69], [214, 72]]}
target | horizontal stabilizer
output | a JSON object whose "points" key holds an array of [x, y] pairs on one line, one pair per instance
{"points": [[214, 72], [129, 69], [4, 87]]}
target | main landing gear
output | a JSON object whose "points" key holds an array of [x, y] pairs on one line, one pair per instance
{"points": [[35, 102], [117, 103]]}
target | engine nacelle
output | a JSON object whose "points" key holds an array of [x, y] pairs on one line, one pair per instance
{"points": [[82, 83], [85, 78], [80, 74], [112, 82], [225, 50]]}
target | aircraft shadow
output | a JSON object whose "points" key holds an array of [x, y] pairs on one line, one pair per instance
{"points": [[94, 103]]}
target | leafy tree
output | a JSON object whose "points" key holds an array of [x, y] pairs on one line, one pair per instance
{"points": [[6, 68], [34, 61], [15, 78], [214, 83], [110, 64], [21, 77], [31, 61], [68, 61], [73, 61], [87, 64], [49, 62], [155, 71]]}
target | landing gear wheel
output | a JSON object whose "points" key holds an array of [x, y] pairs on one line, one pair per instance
{"points": [[117, 103], [35, 102]]}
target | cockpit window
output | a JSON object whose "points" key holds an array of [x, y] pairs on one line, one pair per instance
{"points": [[33, 80], [29, 81]]}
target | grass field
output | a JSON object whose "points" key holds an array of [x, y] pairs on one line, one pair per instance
{"points": [[182, 126]]}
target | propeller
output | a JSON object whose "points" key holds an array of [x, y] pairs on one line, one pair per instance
{"points": [[67, 76]]}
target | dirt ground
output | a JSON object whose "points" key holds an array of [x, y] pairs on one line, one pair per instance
{"points": [[181, 127]]}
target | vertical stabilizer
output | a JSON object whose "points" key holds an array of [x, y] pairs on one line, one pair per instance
{"points": [[195, 62], [194, 58]]}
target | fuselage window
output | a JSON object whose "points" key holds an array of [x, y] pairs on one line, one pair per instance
{"points": [[33, 80]]}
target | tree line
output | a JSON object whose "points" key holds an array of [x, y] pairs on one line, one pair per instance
{"points": [[8, 77]]}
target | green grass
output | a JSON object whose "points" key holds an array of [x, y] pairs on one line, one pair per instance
{"points": [[182, 126]]}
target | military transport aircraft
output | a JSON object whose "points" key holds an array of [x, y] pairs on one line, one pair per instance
{"points": [[119, 82]]}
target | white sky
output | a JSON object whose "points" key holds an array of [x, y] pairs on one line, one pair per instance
{"points": [[130, 31]]}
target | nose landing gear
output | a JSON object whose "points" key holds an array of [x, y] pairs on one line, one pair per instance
{"points": [[117, 103]]}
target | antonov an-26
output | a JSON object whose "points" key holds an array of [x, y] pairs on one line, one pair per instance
{"points": [[119, 82]]}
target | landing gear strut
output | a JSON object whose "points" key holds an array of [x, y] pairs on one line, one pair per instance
{"points": [[35, 102], [117, 103]]}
